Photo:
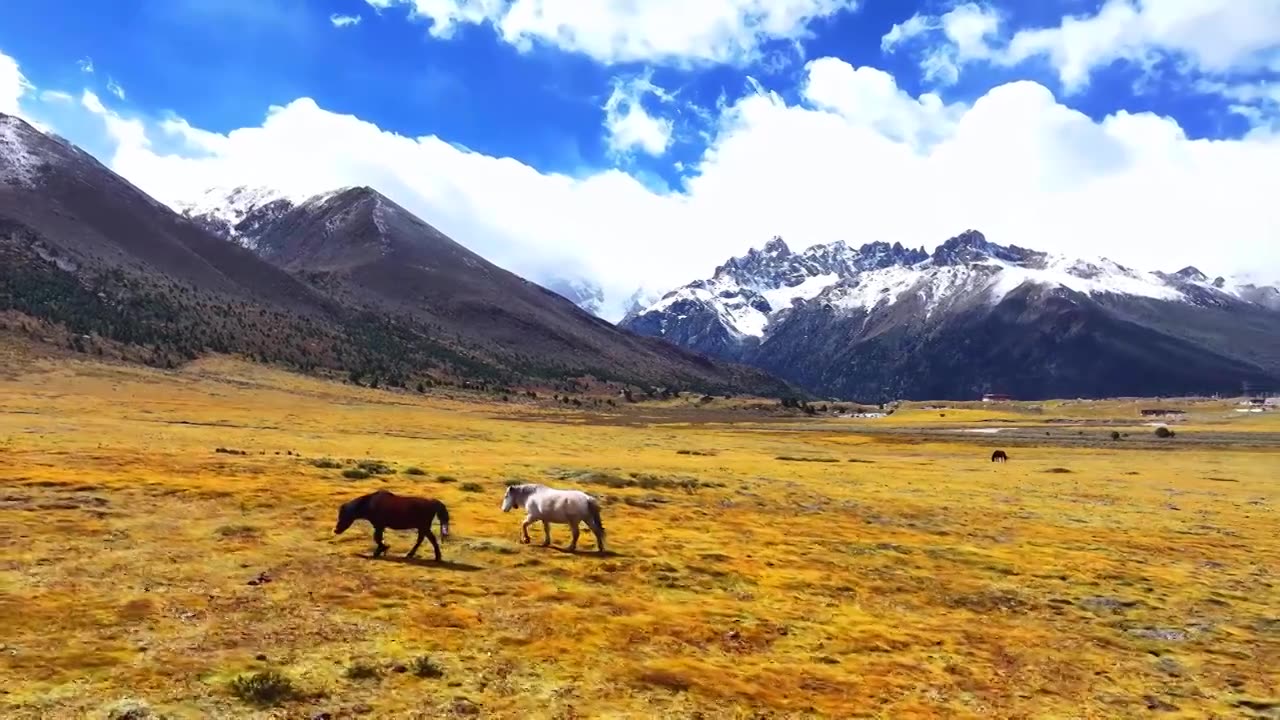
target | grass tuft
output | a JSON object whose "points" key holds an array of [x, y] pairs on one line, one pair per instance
{"points": [[265, 688], [424, 667], [361, 670]]}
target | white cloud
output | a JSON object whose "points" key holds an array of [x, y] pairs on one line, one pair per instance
{"points": [[613, 31], [86, 65], [968, 28], [1207, 36], [129, 134], [859, 160], [341, 21], [13, 86], [628, 126], [115, 88], [56, 96]]}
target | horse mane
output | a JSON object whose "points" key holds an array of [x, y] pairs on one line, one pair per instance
{"points": [[360, 504]]}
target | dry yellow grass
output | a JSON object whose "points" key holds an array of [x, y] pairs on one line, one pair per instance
{"points": [[911, 578]]}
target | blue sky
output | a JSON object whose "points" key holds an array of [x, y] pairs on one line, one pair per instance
{"points": [[553, 92]]}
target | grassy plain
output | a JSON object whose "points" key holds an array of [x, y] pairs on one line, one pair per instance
{"points": [[884, 568]]}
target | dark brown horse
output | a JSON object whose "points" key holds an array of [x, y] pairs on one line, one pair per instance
{"points": [[999, 456], [386, 510]]}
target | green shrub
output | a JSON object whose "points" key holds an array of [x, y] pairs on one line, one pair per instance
{"points": [[326, 464], [375, 467], [264, 688], [414, 471], [471, 487], [360, 670], [424, 667], [355, 474], [446, 479]]}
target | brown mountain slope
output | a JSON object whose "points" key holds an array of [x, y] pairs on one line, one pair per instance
{"points": [[352, 283], [361, 246]]}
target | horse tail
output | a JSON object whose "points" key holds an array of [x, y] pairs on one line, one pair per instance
{"points": [[593, 509], [444, 521]]}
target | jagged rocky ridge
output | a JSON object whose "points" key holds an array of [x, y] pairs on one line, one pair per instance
{"points": [[883, 321]]}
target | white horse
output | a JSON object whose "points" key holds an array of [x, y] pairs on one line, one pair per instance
{"points": [[549, 505]]}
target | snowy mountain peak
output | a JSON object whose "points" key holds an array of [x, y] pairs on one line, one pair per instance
{"points": [[580, 291], [972, 246], [1193, 274], [747, 294], [19, 161], [239, 213], [776, 247]]}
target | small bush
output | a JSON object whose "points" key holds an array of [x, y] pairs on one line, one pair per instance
{"points": [[414, 471], [363, 671], [355, 474], [326, 464], [1115, 434], [264, 688], [424, 667], [446, 479], [471, 487], [1058, 470], [375, 467], [1164, 432], [230, 451], [788, 458]]}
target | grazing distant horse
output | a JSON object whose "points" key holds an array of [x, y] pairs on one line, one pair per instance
{"points": [[548, 505], [384, 509], [999, 456]]}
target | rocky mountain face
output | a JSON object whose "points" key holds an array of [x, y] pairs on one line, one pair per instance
{"points": [[882, 321], [347, 282], [579, 291]]}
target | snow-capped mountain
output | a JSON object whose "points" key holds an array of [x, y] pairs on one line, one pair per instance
{"points": [[240, 213], [852, 321], [580, 291]]}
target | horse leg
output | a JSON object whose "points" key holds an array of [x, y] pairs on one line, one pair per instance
{"points": [[381, 547], [546, 532], [421, 534], [599, 533], [434, 545], [573, 542], [524, 529]]}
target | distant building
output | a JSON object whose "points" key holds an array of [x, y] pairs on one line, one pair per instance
{"points": [[995, 397]]}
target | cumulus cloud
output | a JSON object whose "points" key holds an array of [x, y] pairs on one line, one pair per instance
{"points": [[115, 88], [628, 125], [341, 21], [1207, 36], [13, 86], [855, 158], [614, 31]]}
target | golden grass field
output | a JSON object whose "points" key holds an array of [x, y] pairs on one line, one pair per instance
{"points": [[907, 578]]}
